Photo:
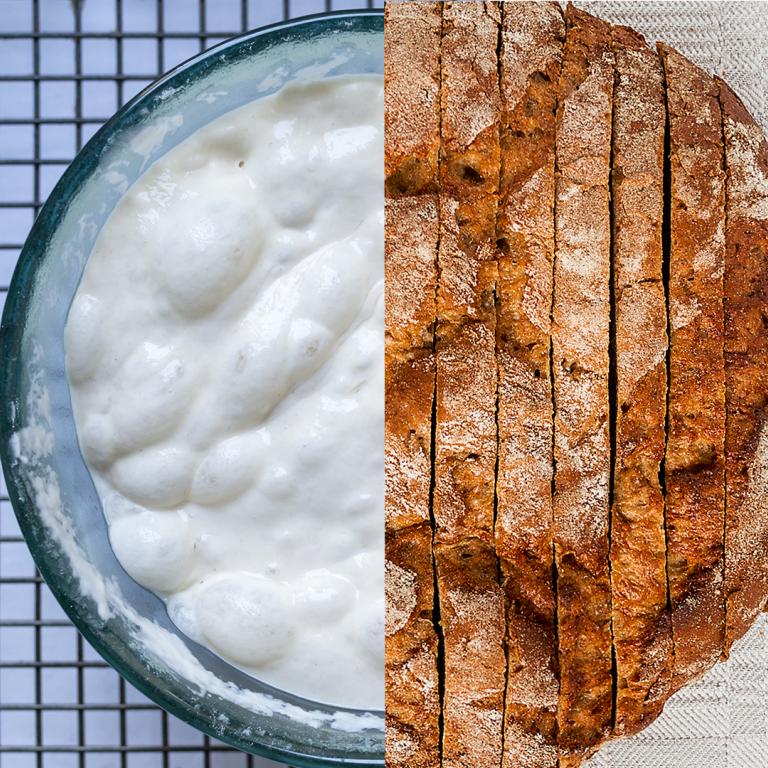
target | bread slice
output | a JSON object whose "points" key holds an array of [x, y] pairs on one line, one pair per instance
{"points": [[694, 469], [413, 696], [411, 236], [472, 617], [413, 715], [641, 621], [746, 358], [410, 270], [411, 96], [531, 54], [412, 131], [580, 365], [471, 603]]}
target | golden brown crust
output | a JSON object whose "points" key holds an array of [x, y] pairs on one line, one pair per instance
{"points": [[412, 129], [409, 387], [641, 622], [411, 228], [472, 617], [465, 450], [694, 458], [580, 364], [471, 603], [469, 171], [413, 697], [746, 357], [531, 54], [410, 242], [466, 376], [411, 97]]}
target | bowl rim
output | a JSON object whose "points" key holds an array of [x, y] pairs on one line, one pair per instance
{"points": [[11, 332]]}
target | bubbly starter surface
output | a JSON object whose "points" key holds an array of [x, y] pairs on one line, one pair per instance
{"points": [[225, 357]]}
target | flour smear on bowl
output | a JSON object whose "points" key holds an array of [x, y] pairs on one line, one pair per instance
{"points": [[225, 358]]}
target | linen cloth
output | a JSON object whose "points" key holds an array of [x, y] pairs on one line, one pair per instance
{"points": [[720, 721]]}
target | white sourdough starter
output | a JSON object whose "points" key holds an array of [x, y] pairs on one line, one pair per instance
{"points": [[225, 358]]}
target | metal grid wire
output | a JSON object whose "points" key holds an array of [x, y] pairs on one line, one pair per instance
{"points": [[65, 67]]}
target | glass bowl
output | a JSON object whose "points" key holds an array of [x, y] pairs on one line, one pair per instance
{"points": [[48, 482]]}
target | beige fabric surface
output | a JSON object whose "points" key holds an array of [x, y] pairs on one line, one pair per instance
{"points": [[722, 720]]}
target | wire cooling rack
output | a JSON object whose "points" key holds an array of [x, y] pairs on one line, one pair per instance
{"points": [[65, 67]]}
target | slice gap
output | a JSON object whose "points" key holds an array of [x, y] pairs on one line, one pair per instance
{"points": [[640, 617]]}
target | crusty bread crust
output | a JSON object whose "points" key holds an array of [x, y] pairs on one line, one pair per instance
{"points": [[413, 697], [409, 385], [746, 358], [531, 54], [469, 170], [466, 433], [412, 130], [471, 603], [641, 621], [411, 97], [472, 617], [694, 458], [411, 233], [580, 365], [410, 245]]}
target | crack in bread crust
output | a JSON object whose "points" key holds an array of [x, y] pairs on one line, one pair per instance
{"points": [[531, 53], [694, 460], [641, 621]]}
